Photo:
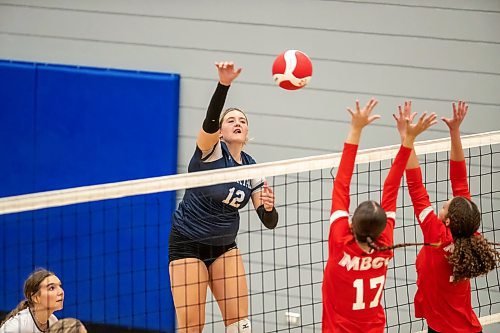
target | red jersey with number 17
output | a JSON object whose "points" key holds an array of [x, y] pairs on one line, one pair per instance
{"points": [[354, 280]]}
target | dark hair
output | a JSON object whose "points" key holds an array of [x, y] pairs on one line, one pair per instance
{"points": [[31, 287], [374, 246], [464, 216], [368, 221], [472, 254], [66, 325]]}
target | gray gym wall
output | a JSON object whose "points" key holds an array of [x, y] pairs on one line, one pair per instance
{"points": [[432, 52]]}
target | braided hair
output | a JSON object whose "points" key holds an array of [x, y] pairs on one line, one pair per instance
{"points": [[368, 222], [472, 255], [371, 243]]}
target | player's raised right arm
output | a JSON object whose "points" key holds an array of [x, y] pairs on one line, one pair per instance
{"points": [[458, 171], [359, 119], [209, 132], [459, 113]]}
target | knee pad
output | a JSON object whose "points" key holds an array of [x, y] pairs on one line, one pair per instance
{"points": [[242, 326]]}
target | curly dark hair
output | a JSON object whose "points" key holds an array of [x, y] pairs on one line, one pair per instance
{"points": [[472, 256]]}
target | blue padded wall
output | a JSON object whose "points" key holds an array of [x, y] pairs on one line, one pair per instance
{"points": [[17, 131], [124, 127], [66, 126]]}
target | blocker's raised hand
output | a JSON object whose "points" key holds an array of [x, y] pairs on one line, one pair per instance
{"points": [[458, 116], [424, 122], [362, 117], [403, 114]]}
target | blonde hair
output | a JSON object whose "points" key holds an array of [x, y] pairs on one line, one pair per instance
{"points": [[223, 114]]}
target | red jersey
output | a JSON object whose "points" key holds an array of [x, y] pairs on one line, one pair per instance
{"points": [[444, 304], [354, 280]]}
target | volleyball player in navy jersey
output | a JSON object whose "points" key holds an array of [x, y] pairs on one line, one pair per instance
{"points": [[443, 294], [202, 248], [359, 250]]}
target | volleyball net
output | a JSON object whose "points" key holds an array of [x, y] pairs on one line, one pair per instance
{"points": [[108, 243]]}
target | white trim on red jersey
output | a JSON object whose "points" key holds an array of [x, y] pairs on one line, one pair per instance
{"points": [[338, 214], [424, 213]]}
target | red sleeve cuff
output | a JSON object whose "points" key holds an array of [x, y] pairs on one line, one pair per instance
{"points": [[404, 153], [350, 146], [413, 174], [406, 149]]}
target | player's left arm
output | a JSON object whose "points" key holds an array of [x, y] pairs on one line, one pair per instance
{"points": [[393, 181], [458, 170], [263, 202]]}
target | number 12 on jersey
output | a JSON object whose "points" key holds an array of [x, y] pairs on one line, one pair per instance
{"points": [[377, 282], [234, 199]]}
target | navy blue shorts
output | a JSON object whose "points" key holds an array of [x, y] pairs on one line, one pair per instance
{"points": [[182, 247]]}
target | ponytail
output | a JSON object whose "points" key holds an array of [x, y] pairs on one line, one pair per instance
{"points": [[20, 307], [375, 247], [31, 287], [472, 257]]}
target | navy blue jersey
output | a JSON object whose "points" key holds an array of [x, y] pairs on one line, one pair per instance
{"points": [[210, 214]]}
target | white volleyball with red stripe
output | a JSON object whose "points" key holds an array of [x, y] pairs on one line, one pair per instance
{"points": [[292, 70]]}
